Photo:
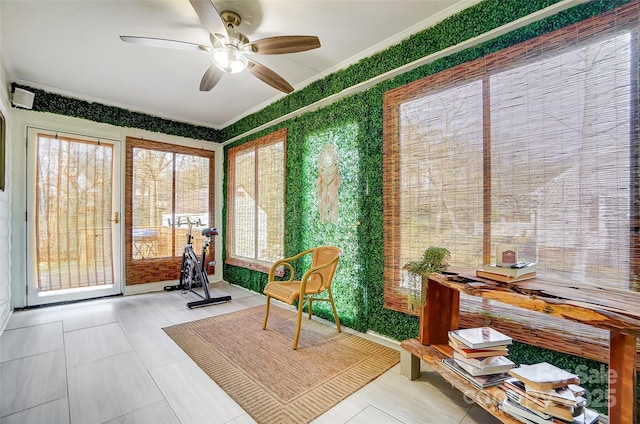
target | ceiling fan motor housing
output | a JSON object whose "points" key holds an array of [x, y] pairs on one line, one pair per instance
{"points": [[231, 19]]}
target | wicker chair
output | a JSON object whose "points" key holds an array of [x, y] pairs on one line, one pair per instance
{"points": [[316, 280]]}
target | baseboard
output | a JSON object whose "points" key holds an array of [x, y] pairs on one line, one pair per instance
{"points": [[3, 325], [148, 287]]}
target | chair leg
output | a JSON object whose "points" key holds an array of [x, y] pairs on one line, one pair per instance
{"points": [[266, 314], [298, 325], [310, 299], [335, 313]]}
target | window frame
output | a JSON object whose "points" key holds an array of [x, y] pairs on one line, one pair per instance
{"points": [[164, 268], [276, 137]]}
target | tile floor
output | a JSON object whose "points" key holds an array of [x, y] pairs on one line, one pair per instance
{"points": [[108, 361]]}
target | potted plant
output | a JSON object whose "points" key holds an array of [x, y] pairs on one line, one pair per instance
{"points": [[433, 259]]}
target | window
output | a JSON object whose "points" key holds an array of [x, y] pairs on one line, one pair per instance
{"points": [[255, 217], [531, 146], [167, 187], [170, 190]]}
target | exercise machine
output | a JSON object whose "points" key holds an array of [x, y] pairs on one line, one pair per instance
{"points": [[193, 273]]}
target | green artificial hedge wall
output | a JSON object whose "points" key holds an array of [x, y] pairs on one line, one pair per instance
{"points": [[67, 106]]}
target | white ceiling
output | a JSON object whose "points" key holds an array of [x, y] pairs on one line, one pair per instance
{"points": [[73, 48]]}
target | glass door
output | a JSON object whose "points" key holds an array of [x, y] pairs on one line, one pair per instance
{"points": [[74, 218]]}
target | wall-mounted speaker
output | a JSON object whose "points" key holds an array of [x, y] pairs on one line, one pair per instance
{"points": [[23, 98]]}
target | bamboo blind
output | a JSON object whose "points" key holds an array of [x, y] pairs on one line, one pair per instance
{"points": [[74, 245], [535, 145], [256, 201]]}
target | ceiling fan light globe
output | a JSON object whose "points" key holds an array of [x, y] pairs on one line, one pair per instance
{"points": [[229, 59]]}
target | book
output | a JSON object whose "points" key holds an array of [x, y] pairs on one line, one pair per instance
{"points": [[561, 395], [481, 353], [498, 365], [544, 376], [517, 388], [479, 362], [515, 400], [480, 337], [504, 278], [511, 406], [480, 381], [519, 411], [553, 409], [588, 416], [577, 390], [510, 271], [457, 344]]}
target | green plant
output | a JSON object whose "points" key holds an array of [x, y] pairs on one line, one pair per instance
{"points": [[433, 259]]}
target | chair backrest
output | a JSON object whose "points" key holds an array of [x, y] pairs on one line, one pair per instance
{"points": [[321, 256]]}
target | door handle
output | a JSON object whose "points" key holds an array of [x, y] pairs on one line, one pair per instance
{"points": [[116, 217]]}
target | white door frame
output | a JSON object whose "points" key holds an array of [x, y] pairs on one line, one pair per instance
{"points": [[33, 296]]}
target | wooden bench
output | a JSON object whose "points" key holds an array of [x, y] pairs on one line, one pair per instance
{"points": [[613, 310]]}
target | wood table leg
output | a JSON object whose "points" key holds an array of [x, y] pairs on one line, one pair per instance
{"points": [[409, 365], [439, 315], [622, 378]]}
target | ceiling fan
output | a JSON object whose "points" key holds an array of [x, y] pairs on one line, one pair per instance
{"points": [[230, 48]]}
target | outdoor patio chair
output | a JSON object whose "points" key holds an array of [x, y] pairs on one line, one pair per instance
{"points": [[316, 280]]}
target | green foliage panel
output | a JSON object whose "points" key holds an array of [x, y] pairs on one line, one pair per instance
{"points": [[342, 232], [67, 106]]}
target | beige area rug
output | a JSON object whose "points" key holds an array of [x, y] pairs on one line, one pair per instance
{"points": [[272, 382]]}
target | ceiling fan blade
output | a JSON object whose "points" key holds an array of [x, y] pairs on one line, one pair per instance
{"points": [[285, 44], [268, 76], [210, 78], [161, 42], [209, 16]]}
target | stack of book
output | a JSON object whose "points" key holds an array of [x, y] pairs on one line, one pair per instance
{"points": [[508, 274], [479, 355], [542, 393]]}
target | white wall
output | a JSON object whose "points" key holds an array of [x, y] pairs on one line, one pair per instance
{"points": [[22, 119], [5, 209]]}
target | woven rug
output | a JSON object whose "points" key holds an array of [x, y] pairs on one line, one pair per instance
{"points": [[272, 382]]}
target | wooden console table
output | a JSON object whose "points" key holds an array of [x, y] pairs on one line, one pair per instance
{"points": [[617, 311]]}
